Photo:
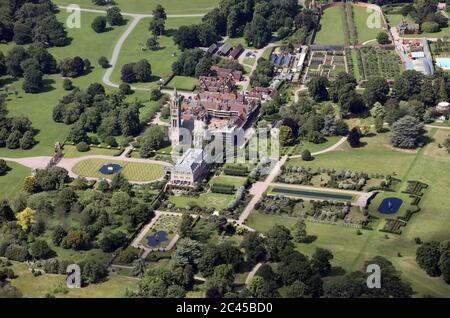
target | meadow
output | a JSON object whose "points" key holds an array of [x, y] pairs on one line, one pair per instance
{"points": [[12, 182], [146, 6], [134, 49], [332, 20]]}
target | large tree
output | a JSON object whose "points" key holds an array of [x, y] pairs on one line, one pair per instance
{"points": [[407, 132]]}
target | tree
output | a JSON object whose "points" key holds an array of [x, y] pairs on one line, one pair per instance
{"points": [[143, 71], [127, 73], [187, 252], [444, 261], [77, 240], [185, 227], [13, 141], [129, 120], [33, 82], [58, 235], [294, 266], [286, 136], [103, 62], [99, 24], [6, 213], [306, 155], [254, 248], [111, 241], [256, 287], [278, 238], [152, 43], [26, 219], [383, 38], [298, 289], [354, 137], [407, 132], [67, 84], [427, 257], [4, 168], [153, 139], [13, 60], [155, 93], [257, 33], [27, 141], [157, 24], [114, 16], [376, 90], [93, 272], [139, 267], [299, 231], [317, 88], [320, 262], [222, 278], [407, 84], [40, 250]]}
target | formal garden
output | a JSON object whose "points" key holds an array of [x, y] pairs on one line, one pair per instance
{"points": [[162, 232], [330, 212], [330, 178], [325, 63], [369, 62]]}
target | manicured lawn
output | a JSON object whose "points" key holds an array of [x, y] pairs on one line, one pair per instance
{"points": [[39, 107], [183, 83], [207, 200], [364, 32], [332, 29], [146, 6], [72, 152], [312, 147], [131, 170], [376, 156], [161, 61], [30, 286], [235, 181], [12, 182]]}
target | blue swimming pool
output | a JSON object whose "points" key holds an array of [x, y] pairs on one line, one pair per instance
{"points": [[307, 193], [443, 62], [390, 205]]}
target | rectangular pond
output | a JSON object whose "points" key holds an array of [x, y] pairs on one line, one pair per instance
{"points": [[307, 193]]}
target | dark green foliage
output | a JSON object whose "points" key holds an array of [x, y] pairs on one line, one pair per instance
{"points": [[407, 132], [40, 250], [99, 24]]}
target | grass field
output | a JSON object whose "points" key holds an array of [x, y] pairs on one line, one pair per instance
{"points": [[146, 6], [37, 287], [332, 29], [161, 60], [12, 182], [205, 200], [364, 32], [132, 171], [72, 152], [183, 83], [312, 147], [431, 223], [231, 180], [39, 107]]}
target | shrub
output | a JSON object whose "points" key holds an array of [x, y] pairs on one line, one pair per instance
{"points": [[67, 84], [111, 141], [99, 24], [83, 147], [306, 155], [103, 62], [430, 27], [125, 88]]}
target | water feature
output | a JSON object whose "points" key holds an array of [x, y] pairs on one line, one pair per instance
{"points": [[390, 205]]}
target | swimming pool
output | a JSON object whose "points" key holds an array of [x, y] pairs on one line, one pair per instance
{"points": [[443, 62]]}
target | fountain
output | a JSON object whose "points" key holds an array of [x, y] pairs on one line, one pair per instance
{"points": [[110, 168], [390, 205], [157, 238]]}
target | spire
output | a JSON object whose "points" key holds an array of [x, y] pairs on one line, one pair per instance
{"points": [[175, 93]]}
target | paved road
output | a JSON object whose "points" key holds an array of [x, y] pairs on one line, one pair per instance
{"points": [[334, 147], [252, 273], [259, 188], [31, 162], [136, 18]]}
